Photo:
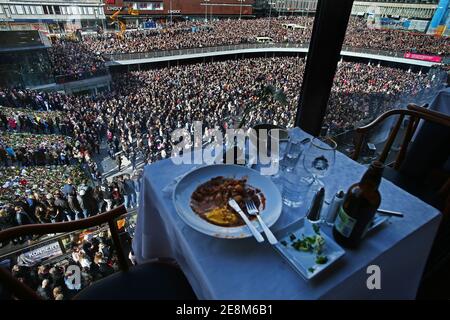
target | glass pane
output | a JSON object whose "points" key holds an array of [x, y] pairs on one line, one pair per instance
{"points": [[19, 9], [367, 86]]}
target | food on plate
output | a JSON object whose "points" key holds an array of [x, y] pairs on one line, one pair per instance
{"points": [[210, 200], [314, 244]]}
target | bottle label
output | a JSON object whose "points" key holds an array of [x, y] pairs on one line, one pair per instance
{"points": [[344, 223]]}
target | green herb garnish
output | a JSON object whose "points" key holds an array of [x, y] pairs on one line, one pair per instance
{"points": [[321, 259], [316, 228], [292, 237], [301, 245]]}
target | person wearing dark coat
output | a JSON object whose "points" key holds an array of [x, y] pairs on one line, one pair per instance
{"points": [[22, 217], [119, 161], [62, 206], [45, 290], [3, 156], [107, 195]]}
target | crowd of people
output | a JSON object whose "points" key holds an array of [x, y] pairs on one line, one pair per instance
{"points": [[28, 120], [89, 54], [361, 35], [146, 106], [50, 141], [60, 193], [73, 58], [95, 257]]}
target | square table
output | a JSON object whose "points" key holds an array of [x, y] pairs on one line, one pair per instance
{"points": [[244, 269]]}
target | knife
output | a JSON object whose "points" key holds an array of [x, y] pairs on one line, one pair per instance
{"points": [[250, 225]]}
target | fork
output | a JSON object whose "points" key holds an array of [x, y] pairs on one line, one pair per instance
{"points": [[253, 210]]}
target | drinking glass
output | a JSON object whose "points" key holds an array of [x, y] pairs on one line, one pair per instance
{"points": [[294, 189], [318, 160], [292, 154]]}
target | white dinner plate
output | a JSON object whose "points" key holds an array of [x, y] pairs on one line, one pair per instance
{"points": [[187, 185]]}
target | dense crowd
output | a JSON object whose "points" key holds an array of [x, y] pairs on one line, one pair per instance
{"points": [[28, 120], [131, 115], [136, 118], [95, 257], [71, 57], [60, 193], [146, 106], [359, 35]]}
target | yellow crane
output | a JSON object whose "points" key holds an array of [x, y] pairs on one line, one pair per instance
{"points": [[116, 19]]}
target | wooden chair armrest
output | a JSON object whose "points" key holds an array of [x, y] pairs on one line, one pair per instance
{"points": [[59, 227]]}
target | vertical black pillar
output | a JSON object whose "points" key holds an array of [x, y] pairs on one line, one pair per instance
{"points": [[330, 25]]}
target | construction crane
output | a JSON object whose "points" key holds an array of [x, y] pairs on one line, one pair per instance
{"points": [[122, 25]]}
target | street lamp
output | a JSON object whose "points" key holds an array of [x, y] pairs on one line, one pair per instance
{"points": [[170, 11], [240, 9], [211, 11], [206, 9], [270, 12]]}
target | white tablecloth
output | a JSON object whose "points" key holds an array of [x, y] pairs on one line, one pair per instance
{"points": [[244, 269]]}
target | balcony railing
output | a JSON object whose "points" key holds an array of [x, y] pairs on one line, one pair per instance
{"points": [[61, 79], [178, 52]]}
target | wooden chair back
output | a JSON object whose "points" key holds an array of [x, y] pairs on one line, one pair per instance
{"points": [[415, 114]]}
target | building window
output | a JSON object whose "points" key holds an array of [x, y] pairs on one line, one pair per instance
{"points": [[39, 10], [75, 10], [45, 9], [83, 10], [1, 9], [12, 9], [91, 10], [100, 10], [57, 9], [27, 9], [32, 10], [19, 9], [63, 10]]}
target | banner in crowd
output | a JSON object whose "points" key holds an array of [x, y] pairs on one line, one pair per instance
{"points": [[39, 254], [423, 57], [416, 25]]}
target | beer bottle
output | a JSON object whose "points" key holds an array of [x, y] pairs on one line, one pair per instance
{"points": [[359, 207]]}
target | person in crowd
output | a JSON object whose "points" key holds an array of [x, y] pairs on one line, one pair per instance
{"points": [[45, 290], [22, 217], [137, 187], [57, 291], [84, 260], [62, 207], [119, 162], [117, 198], [106, 190]]}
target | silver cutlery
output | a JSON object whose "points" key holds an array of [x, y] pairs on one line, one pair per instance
{"points": [[390, 213], [249, 224], [253, 210]]}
